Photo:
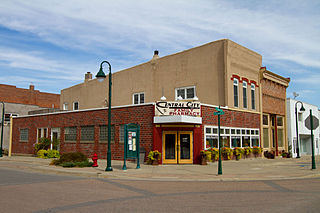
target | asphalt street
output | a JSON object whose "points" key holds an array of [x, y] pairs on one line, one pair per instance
{"points": [[25, 191]]}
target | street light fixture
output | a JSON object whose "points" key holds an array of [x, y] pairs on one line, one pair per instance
{"points": [[302, 109], [101, 76], [2, 121]]}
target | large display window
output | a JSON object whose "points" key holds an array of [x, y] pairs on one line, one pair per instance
{"points": [[231, 137]]}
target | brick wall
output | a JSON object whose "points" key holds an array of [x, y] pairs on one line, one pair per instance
{"points": [[230, 118], [143, 115], [273, 97], [12, 94]]}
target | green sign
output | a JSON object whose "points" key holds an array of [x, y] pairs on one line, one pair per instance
{"points": [[219, 111], [131, 143]]}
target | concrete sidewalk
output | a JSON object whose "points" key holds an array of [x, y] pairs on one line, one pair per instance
{"points": [[245, 169]]}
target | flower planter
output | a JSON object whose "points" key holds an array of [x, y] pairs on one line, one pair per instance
{"points": [[203, 160], [155, 162]]}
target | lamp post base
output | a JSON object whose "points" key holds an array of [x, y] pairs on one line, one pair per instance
{"points": [[108, 169]]}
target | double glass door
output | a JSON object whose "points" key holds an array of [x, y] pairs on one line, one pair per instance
{"points": [[177, 147]]}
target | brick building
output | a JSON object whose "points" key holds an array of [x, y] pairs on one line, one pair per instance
{"points": [[274, 120], [195, 82], [19, 101]]}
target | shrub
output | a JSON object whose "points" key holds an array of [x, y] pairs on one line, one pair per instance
{"points": [[68, 164], [53, 153], [42, 153], [48, 153], [85, 163], [72, 159], [44, 143]]}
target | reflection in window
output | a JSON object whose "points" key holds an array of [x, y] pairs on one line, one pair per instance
{"points": [[245, 141], [255, 141], [253, 98], [211, 142], [236, 142], [235, 92], [265, 120], [280, 137], [279, 121]]}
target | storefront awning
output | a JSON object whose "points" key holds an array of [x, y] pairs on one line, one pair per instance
{"points": [[177, 119]]}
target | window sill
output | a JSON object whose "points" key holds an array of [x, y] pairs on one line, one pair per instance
{"points": [[86, 141], [70, 141], [105, 142]]}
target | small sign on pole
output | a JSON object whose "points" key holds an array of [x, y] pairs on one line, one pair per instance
{"points": [[219, 112]]}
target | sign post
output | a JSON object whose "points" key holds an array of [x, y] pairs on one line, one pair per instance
{"points": [[219, 112], [131, 144], [312, 143], [312, 123]]}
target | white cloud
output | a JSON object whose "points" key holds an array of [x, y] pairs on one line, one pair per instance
{"points": [[283, 32], [137, 25]]}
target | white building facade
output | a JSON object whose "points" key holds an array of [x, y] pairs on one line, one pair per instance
{"points": [[304, 136]]}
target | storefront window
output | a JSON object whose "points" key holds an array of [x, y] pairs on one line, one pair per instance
{"points": [[279, 121], [265, 120], [236, 142], [211, 142], [255, 141], [225, 141], [280, 137], [265, 138], [231, 137], [245, 141]]}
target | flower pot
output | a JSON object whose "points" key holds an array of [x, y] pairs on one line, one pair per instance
{"points": [[203, 160], [155, 162]]}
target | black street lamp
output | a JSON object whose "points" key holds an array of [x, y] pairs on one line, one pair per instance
{"points": [[296, 111], [101, 76], [2, 121]]}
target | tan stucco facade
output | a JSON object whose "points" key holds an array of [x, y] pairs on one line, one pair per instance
{"points": [[209, 68]]}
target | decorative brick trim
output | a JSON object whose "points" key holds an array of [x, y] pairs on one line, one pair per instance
{"points": [[254, 82], [236, 76]]}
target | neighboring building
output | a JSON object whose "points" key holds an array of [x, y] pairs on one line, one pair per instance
{"points": [[194, 82], [274, 122], [304, 132], [19, 102]]}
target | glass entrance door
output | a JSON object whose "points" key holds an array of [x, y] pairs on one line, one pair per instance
{"points": [[177, 147]]}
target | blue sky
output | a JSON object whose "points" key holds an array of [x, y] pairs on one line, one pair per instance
{"points": [[53, 43]]}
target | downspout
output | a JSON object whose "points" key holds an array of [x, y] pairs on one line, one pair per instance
{"points": [[10, 137], [261, 108]]}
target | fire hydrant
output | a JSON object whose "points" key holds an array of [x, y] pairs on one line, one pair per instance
{"points": [[95, 160]]}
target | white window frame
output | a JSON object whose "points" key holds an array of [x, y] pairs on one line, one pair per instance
{"points": [[256, 134], [65, 106], [42, 131], [236, 84], [73, 105], [139, 98], [245, 94], [253, 97], [185, 92]]}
